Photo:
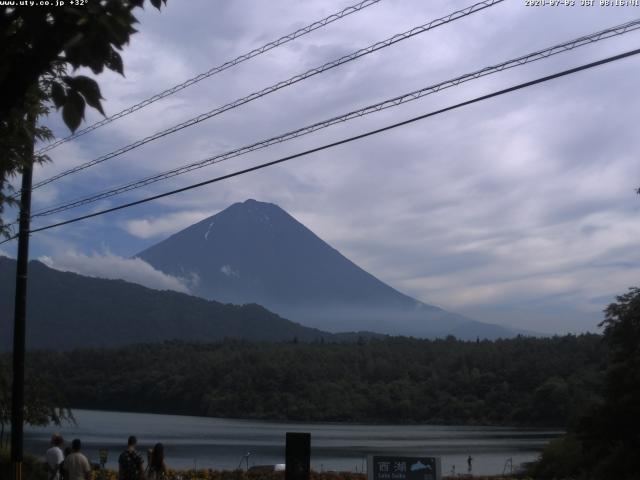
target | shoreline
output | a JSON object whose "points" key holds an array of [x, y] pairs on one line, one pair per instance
{"points": [[220, 443], [278, 421]]}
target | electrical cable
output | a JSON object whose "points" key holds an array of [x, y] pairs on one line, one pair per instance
{"points": [[393, 102], [275, 87], [213, 71], [344, 141]]}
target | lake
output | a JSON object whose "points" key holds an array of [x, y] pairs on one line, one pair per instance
{"points": [[203, 442]]}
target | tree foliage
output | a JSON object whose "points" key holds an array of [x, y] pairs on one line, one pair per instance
{"points": [[605, 441], [522, 381], [41, 48], [44, 403], [611, 433]]}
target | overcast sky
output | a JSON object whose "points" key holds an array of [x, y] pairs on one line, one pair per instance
{"points": [[519, 210]]}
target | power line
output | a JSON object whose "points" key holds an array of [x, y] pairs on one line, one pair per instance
{"points": [[393, 102], [285, 83], [213, 71], [344, 141]]}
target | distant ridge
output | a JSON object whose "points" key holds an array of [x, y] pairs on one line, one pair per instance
{"points": [[255, 252], [66, 310]]}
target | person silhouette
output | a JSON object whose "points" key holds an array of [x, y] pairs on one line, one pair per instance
{"points": [[130, 463], [157, 468], [55, 457]]}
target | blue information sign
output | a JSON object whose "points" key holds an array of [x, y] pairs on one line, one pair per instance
{"points": [[403, 468]]}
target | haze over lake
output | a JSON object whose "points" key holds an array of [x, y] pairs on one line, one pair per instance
{"points": [[221, 443]]}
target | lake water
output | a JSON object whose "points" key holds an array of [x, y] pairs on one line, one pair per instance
{"points": [[202, 442]]}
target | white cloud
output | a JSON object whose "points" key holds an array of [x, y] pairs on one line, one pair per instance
{"points": [[163, 225], [107, 265], [228, 271]]}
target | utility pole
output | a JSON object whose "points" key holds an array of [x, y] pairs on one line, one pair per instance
{"points": [[20, 314]]}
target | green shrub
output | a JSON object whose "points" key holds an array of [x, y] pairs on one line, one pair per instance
{"points": [[561, 458], [32, 467]]}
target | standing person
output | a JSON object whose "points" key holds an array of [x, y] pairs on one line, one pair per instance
{"points": [[130, 462], [157, 469], [76, 466], [469, 460], [54, 457], [67, 452]]}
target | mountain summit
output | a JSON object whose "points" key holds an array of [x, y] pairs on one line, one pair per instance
{"points": [[255, 252]]}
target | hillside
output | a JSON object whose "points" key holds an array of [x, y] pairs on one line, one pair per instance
{"points": [[66, 310]]}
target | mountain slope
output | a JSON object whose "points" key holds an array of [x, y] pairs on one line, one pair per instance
{"points": [[255, 252], [66, 310]]}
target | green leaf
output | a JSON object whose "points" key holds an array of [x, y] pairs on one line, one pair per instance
{"points": [[114, 62], [58, 95], [73, 110], [157, 3], [76, 40], [89, 89]]}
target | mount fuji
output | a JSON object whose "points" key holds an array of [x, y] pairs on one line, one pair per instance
{"points": [[255, 252]]}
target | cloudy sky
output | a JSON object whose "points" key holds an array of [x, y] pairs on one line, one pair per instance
{"points": [[519, 210]]}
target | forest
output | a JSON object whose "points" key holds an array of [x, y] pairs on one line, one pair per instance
{"points": [[520, 382]]}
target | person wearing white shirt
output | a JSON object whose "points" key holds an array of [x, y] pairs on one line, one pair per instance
{"points": [[76, 466], [54, 457]]}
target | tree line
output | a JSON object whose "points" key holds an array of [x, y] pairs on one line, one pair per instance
{"points": [[521, 382]]}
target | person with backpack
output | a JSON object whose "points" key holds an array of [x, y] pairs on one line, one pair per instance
{"points": [[54, 457], [130, 462]]}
